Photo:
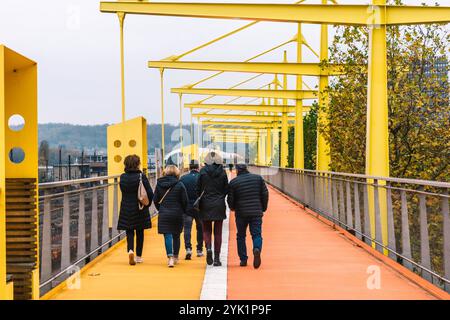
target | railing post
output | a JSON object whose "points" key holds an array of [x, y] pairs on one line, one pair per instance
{"points": [[349, 205], [424, 238], [81, 241], [341, 203], [446, 248], [46, 250], [65, 240], [115, 208], [335, 201], [406, 240], [391, 227], [367, 233], [105, 218], [329, 194], [378, 230], [94, 222], [357, 210]]}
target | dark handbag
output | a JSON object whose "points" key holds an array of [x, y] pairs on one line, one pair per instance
{"points": [[196, 205]]}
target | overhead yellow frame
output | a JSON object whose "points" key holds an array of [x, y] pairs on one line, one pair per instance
{"points": [[246, 107], [305, 69], [253, 124], [240, 117], [376, 15], [307, 13], [251, 93]]}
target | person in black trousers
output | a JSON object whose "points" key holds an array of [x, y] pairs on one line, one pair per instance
{"points": [[248, 197], [171, 201], [131, 218], [190, 182], [212, 187]]}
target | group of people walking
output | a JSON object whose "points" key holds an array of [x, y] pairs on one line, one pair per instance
{"points": [[199, 196]]}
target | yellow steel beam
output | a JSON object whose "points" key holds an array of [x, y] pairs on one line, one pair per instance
{"points": [[251, 93], [323, 158], [241, 107], [306, 69], [237, 135], [377, 128], [284, 148], [241, 124], [239, 117], [306, 13], [246, 107]]}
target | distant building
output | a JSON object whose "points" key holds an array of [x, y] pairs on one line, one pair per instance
{"points": [[437, 69], [88, 167]]}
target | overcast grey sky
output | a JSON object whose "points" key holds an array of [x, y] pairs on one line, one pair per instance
{"points": [[77, 50]]}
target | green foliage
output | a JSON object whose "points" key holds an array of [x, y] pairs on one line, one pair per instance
{"points": [[309, 139], [418, 101], [419, 116]]}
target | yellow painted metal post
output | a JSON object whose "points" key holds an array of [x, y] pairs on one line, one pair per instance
{"points": [[192, 139], [19, 156], [284, 148], [123, 139], [121, 16], [181, 131], [163, 148], [323, 149], [269, 147], [299, 157], [377, 144], [4, 289]]}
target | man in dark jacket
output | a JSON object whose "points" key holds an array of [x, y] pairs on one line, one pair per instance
{"points": [[190, 182], [248, 197]]}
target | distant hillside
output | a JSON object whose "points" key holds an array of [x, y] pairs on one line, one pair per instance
{"points": [[93, 137]]}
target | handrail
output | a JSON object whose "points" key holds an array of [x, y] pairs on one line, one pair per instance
{"points": [[395, 215], [438, 184], [57, 184]]}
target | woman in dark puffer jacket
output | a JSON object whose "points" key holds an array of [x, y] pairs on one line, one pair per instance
{"points": [[131, 218], [212, 186], [171, 201]]}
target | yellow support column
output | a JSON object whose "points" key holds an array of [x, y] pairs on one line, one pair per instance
{"points": [[377, 144], [19, 165], [323, 149], [163, 148], [284, 148], [181, 131], [269, 147], [299, 158], [121, 16], [123, 139], [192, 139]]}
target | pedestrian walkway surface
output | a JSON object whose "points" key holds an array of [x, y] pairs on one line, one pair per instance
{"points": [[302, 258]]}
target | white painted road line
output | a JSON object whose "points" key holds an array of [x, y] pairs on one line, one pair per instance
{"points": [[215, 281]]}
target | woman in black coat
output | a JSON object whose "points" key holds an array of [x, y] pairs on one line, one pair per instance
{"points": [[131, 218], [171, 201], [212, 186]]}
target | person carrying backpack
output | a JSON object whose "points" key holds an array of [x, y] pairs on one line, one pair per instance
{"points": [[190, 182]]}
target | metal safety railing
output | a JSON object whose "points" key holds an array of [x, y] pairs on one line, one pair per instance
{"points": [[78, 220], [406, 219]]}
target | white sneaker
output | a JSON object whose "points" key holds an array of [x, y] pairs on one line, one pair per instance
{"points": [[131, 260], [171, 262], [175, 260], [139, 260]]}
